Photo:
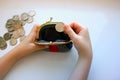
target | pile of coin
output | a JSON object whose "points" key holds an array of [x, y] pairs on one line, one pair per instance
{"points": [[15, 28]]}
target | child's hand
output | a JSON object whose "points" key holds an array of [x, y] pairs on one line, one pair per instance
{"points": [[80, 37], [28, 46]]}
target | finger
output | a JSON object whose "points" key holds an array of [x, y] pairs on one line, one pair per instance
{"points": [[34, 29], [33, 33], [76, 27], [68, 30], [40, 47]]}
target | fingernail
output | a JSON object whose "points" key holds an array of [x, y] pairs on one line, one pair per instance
{"points": [[65, 26]]}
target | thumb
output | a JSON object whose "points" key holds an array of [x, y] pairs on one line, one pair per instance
{"points": [[33, 33], [68, 30]]}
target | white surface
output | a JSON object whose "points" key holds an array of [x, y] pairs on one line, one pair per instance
{"points": [[103, 20]]}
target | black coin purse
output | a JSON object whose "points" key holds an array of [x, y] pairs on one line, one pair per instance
{"points": [[47, 35]]}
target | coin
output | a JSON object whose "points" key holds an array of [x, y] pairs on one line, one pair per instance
{"points": [[10, 21], [23, 22], [32, 13], [15, 17], [7, 36], [21, 32], [17, 25], [30, 19], [15, 34], [13, 41], [24, 16], [59, 27], [18, 33], [10, 29], [8, 25], [3, 44], [4, 47], [22, 38]]}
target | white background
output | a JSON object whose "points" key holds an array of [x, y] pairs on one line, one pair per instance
{"points": [[102, 17]]}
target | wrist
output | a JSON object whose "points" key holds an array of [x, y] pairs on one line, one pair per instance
{"points": [[13, 55], [85, 56], [17, 52]]}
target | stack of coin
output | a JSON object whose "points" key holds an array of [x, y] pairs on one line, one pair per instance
{"points": [[15, 27]]}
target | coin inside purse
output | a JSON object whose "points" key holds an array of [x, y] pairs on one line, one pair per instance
{"points": [[47, 35]]}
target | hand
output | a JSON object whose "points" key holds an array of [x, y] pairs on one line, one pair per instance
{"points": [[80, 37], [28, 46]]}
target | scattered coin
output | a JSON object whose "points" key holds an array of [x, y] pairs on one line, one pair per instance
{"points": [[24, 16], [15, 34], [17, 25], [3, 44], [10, 29], [32, 13], [21, 32], [10, 21], [18, 33], [30, 19], [13, 42], [7, 36], [8, 25], [15, 28], [23, 23], [15, 17], [59, 27]]}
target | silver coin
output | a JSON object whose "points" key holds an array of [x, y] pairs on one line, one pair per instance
{"points": [[24, 16], [10, 33], [4, 47], [10, 21], [9, 25], [59, 27], [15, 17], [18, 33], [32, 13], [21, 32], [15, 34], [17, 24], [22, 38], [7, 36], [23, 22], [30, 19], [10, 29], [13, 42], [3, 44]]}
